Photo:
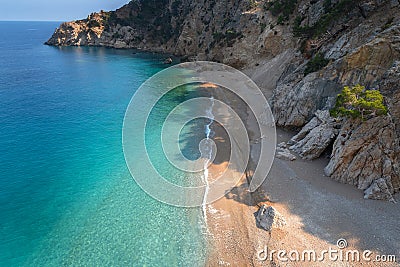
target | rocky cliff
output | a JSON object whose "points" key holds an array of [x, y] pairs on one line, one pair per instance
{"points": [[301, 53]]}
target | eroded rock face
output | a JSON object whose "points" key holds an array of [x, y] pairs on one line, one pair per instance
{"points": [[82, 32], [296, 100], [315, 12], [358, 55], [390, 88], [268, 218], [127, 27], [369, 62], [267, 72], [365, 152], [315, 136], [228, 31]]}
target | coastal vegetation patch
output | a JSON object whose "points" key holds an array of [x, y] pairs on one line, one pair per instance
{"points": [[358, 102], [281, 9], [316, 63]]}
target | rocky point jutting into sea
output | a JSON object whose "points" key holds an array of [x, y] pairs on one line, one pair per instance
{"points": [[300, 53]]}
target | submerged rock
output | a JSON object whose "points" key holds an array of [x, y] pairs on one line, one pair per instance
{"points": [[268, 218], [168, 61]]}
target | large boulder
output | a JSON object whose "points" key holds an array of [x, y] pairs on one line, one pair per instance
{"points": [[268, 217], [315, 136]]}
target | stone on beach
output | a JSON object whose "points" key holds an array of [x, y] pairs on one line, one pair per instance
{"points": [[268, 217], [379, 190], [282, 152]]}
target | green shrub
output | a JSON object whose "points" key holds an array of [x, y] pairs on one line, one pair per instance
{"points": [[253, 3], [332, 12], [229, 36], [281, 9], [357, 102], [388, 23], [218, 36], [93, 23], [316, 63], [281, 20], [263, 26], [232, 34]]}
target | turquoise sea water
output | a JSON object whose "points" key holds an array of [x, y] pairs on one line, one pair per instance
{"points": [[66, 195]]}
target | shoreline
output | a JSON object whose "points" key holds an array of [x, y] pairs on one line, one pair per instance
{"points": [[317, 209], [230, 219]]}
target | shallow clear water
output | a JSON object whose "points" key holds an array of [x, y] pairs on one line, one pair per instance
{"points": [[66, 195]]}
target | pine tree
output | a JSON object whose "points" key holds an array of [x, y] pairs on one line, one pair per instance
{"points": [[357, 102]]}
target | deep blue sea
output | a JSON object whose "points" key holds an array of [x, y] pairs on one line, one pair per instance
{"points": [[66, 195]]}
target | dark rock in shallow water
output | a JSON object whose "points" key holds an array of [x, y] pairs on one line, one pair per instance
{"points": [[168, 61]]}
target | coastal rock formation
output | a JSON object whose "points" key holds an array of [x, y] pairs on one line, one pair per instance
{"points": [[366, 154], [295, 99], [315, 136], [268, 217], [228, 31], [390, 88], [362, 55], [301, 53]]}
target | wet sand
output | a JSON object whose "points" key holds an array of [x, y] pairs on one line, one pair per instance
{"points": [[318, 211]]}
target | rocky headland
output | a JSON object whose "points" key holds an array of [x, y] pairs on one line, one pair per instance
{"points": [[300, 53]]}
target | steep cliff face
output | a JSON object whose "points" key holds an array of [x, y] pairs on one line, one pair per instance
{"points": [[229, 31], [366, 152], [360, 53], [301, 53], [133, 25]]}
